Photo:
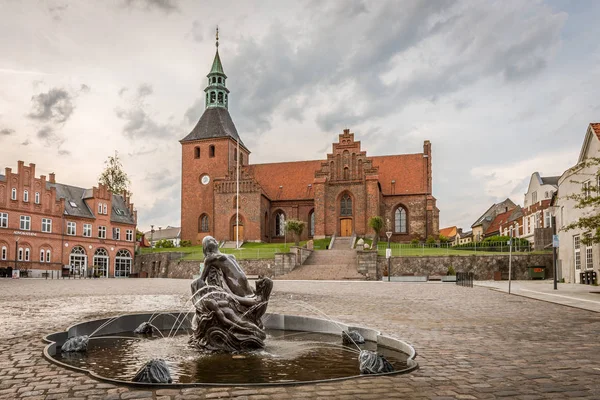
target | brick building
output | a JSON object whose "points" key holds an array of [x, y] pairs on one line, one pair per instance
{"points": [[336, 195], [45, 225]]}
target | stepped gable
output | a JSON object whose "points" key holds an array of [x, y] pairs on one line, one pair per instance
{"points": [[287, 180]]}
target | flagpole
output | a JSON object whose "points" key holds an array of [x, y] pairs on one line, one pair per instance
{"points": [[237, 198]]}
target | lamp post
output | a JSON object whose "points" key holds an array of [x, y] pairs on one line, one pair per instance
{"points": [[388, 255], [16, 250], [151, 236]]}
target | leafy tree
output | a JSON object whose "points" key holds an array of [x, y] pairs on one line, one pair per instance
{"points": [[296, 227], [430, 240], [589, 200], [376, 223], [113, 175], [444, 239]]}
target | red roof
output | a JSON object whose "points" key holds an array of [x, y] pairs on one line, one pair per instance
{"points": [[596, 128], [448, 232], [500, 219], [408, 170], [293, 177]]}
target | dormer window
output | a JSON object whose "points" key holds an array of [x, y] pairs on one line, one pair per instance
{"points": [[72, 204]]}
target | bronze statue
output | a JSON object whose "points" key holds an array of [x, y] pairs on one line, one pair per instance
{"points": [[228, 312]]}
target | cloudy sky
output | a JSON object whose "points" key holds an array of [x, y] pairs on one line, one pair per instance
{"points": [[501, 88]]}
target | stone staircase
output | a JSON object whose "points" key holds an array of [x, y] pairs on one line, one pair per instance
{"points": [[338, 263], [230, 244]]}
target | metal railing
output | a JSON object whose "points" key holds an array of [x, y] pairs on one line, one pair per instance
{"points": [[465, 279], [444, 249]]}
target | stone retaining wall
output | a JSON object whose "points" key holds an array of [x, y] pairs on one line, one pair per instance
{"points": [[170, 265], [483, 266]]}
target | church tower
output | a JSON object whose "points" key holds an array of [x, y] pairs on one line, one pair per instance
{"points": [[208, 152]]}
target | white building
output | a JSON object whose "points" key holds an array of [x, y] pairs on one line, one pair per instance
{"points": [[536, 212], [573, 256], [170, 233]]}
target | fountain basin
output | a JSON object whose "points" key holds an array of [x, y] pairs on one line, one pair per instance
{"points": [[299, 350]]}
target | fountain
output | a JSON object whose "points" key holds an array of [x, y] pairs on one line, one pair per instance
{"points": [[226, 338]]}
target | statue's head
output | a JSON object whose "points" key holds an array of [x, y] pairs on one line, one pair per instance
{"points": [[209, 245]]}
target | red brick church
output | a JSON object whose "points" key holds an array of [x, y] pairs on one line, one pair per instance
{"points": [[336, 195]]}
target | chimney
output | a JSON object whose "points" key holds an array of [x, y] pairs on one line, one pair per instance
{"points": [[52, 177]]}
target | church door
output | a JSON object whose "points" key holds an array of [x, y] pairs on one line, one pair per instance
{"points": [[235, 232], [346, 227]]}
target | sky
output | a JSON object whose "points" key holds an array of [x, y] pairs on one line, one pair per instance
{"points": [[502, 89]]}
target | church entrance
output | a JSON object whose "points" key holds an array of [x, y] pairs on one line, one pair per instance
{"points": [[346, 227], [234, 232]]}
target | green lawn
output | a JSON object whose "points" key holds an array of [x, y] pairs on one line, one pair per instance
{"points": [[418, 250], [249, 250]]}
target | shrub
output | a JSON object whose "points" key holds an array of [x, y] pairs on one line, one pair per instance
{"points": [[430, 240], [414, 241], [164, 244], [451, 271], [185, 243], [296, 227], [376, 223], [444, 239]]}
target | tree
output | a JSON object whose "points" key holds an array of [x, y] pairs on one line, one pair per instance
{"points": [[588, 199], [376, 223], [296, 227], [113, 176]]}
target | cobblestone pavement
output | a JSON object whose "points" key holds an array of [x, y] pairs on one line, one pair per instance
{"points": [[472, 343]]}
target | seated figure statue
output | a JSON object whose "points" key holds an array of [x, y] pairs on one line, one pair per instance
{"points": [[228, 311]]}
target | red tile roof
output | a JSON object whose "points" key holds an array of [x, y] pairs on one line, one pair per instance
{"points": [[596, 128], [408, 170], [500, 219], [448, 232], [293, 176]]}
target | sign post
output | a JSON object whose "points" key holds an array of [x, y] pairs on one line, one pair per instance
{"points": [[509, 263], [555, 246], [388, 255]]}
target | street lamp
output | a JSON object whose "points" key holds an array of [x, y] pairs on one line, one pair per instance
{"points": [[16, 250], [388, 255], [151, 236]]}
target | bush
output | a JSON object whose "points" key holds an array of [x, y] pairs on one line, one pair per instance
{"points": [[164, 244], [185, 243], [444, 239], [430, 240], [451, 271], [414, 241]]}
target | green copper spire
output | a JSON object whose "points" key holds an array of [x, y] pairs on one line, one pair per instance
{"points": [[217, 95]]}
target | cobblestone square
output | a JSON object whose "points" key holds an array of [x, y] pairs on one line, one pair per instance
{"points": [[472, 343]]}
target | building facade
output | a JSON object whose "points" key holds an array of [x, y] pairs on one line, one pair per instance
{"points": [[574, 256], [170, 233], [334, 196], [536, 212], [482, 224], [45, 225]]}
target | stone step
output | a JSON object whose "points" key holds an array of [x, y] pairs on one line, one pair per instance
{"points": [[324, 272]]}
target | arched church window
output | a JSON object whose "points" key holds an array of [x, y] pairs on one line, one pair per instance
{"points": [[197, 152], [211, 150], [219, 80], [213, 97], [220, 97], [203, 223], [280, 224], [214, 80], [400, 220], [346, 206]]}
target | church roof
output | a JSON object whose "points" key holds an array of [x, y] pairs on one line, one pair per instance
{"points": [[287, 180], [214, 123], [408, 170], [217, 67]]}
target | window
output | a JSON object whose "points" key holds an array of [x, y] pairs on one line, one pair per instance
{"points": [[48, 258], [25, 223], [400, 220], [129, 235], [26, 253], [3, 255], [547, 195], [20, 254], [577, 250], [13, 194], [99, 208], [213, 97], [117, 233], [46, 225], [211, 151], [122, 264], [346, 206], [219, 80], [42, 255], [87, 230], [25, 196], [220, 98], [101, 263], [589, 258], [37, 198], [71, 228], [3, 220], [72, 204], [104, 209], [586, 189], [196, 152], [534, 197], [280, 224], [204, 223], [547, 219], [102, 232]]}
